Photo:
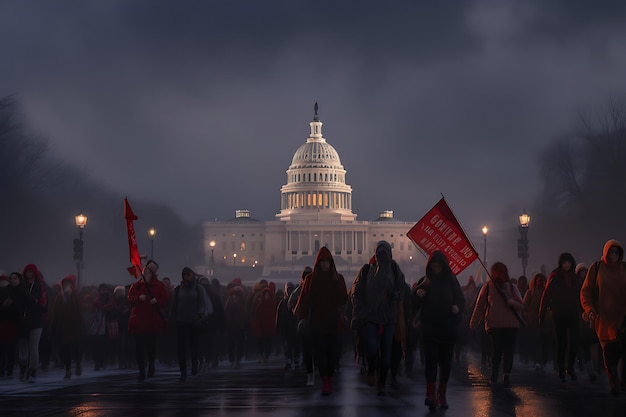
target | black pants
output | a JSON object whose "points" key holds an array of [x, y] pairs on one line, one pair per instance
{"points": [[438, 356], [234, 339], [566, 330], [503, 348], [71, 351], [188, 336], [145, 349], [325, 352], [7, 357]]}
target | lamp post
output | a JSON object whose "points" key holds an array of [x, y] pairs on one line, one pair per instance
{"points": [[81, 222], [235, 265], [152, 235], [212, 245], [485, 230], [522, 242]]}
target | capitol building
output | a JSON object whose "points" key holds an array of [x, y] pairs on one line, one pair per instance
{"points": [[315, 211]]}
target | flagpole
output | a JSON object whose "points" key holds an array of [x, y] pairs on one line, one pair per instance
{"points": [[517, 313]]}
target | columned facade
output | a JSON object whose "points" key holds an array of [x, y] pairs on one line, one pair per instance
{"points": [[315, 211]]}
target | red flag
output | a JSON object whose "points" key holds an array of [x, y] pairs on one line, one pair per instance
{"points": [[440, 230], [134, 270]]}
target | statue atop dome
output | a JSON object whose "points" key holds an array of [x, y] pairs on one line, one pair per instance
{"points": [[315, 116]]}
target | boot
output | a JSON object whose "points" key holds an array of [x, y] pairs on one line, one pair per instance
{"points": [[150, 370], [79, 370], [382, 378], [506, 380], [68, 373], [33, 376], [431, 399], [310, 379], [614, 388], [441, 395]]}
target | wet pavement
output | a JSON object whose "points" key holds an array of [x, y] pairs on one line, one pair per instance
{"points": [[257, 389]]}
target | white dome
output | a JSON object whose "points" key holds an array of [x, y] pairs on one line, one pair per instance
{"points": [[318, 152]]}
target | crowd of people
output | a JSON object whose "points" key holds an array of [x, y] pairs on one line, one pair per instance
{"points": [[575, 319]]}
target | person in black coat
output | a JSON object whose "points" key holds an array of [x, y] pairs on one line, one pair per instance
{"points": [[440, 299]]}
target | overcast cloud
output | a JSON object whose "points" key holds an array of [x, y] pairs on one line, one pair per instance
{"points": [[201, 104]]}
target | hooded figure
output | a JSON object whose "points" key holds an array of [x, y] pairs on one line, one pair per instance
{"points": [[562, 298], [441, 300], [321, 300], [148, 299], [602, 297], [376, 292]]}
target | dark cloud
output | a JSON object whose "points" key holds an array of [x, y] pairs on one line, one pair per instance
{"points": [[201, 105]]}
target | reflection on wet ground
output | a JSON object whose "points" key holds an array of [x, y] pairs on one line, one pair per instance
{"points": [[266, 389]]}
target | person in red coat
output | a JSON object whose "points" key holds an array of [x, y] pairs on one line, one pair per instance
{"points": [[147, 298], [263, 321], [323, 294]]}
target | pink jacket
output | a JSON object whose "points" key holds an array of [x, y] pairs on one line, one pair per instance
{"points": [[492, 307]]}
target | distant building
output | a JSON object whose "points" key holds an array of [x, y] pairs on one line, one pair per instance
{"points": [[316, 211]]}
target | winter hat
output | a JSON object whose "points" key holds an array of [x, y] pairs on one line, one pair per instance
{"points": [[580, 266], [152, 266], [119, 291]]}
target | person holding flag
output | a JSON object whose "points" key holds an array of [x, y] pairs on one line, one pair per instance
{"points": [[147, 299]]}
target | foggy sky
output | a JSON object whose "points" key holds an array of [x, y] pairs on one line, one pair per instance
{"points": [[201, 105]]}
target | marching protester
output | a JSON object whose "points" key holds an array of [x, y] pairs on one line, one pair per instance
{"points": [[189, 313], [562, 298], [602, 297], [103, 324], [12, 305], [147, 298], [322, 296], [123, 346], [263, 318], [377, 290], [303, 338], [538, 342], [499, 304], [32, 324], [286, 325], [439, 296], [588, 341], [236, 321], [68, 326]]}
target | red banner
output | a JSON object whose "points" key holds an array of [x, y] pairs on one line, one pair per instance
{"points": [[134, 270], [440, 230]]}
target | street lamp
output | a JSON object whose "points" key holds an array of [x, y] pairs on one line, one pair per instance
{"points": [[212, 245], [81, 222], [522, 242], [485, 231], [234, 264], [152, 235]]}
